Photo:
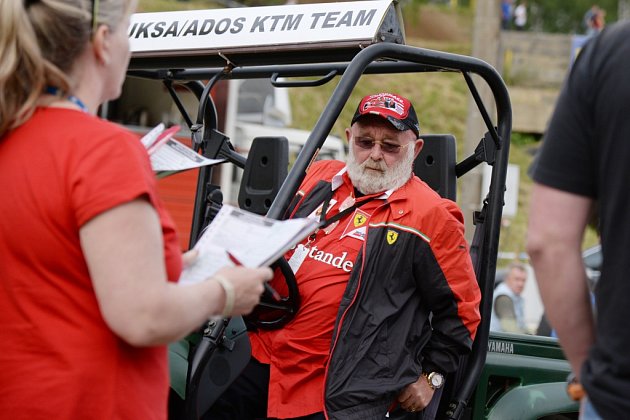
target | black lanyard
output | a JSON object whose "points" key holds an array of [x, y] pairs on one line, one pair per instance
{"points": [[323, 222]]}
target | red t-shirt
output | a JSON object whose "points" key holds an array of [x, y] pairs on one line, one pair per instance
{"points": [[59, 360], [298, 352]]}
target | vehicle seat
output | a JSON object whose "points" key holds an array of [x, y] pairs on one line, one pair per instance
{"points": [[436, 162], [265, 169]]}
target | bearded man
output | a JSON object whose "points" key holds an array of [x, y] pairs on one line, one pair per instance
{"points": [[389, 299]]}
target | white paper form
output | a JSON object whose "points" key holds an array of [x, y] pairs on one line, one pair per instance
{"points": [[169, 155], [175, 156], [254, 240]]}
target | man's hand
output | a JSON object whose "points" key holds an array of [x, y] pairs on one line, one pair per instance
{"points": [[416, 396]]}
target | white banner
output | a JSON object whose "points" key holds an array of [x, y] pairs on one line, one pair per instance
{"points": [[216, 29]]}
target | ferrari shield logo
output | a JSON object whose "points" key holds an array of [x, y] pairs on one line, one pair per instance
{"points": [[391, 236], [359, 219], [357, 226]]}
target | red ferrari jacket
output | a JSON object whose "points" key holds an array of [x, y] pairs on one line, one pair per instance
{"points": [[411, 302]]}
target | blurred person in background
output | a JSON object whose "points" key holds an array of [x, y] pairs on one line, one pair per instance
{"points": [[508, 305], [520, 16], [507, 7]]}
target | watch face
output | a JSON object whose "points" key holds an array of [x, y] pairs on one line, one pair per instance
{"points": [[437, 379]]}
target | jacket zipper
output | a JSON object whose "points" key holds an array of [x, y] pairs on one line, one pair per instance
{"points": [[354, 298]]}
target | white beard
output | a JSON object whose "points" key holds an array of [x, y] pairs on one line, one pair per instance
{"points": [[372, 182]]}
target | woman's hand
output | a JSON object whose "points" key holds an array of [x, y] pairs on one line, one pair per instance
{"points": [[189, 257], [246, 286]]}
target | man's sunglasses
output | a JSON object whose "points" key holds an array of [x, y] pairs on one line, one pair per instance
{"points": [[368, 143]]}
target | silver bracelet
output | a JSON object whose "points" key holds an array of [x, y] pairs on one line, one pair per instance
{"points": [[230, 295]]}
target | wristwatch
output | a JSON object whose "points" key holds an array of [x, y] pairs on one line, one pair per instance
{"points": [[435, 379], [575, 390]]}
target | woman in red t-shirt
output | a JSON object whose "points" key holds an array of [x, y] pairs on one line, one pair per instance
{"points": [[89, 258]]}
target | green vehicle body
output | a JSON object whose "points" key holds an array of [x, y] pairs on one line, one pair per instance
{"points": [[524, 378]]}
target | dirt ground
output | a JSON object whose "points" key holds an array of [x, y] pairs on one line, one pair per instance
{"points": [[438, 24]]}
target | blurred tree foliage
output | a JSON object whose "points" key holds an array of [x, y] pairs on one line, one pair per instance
{"points": [[556, 16], [566, 16], [253, 3]]}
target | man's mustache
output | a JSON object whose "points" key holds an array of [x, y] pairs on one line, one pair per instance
{"points": [[378, 166]]}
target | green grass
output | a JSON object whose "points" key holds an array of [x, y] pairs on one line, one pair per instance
{"points": [[437, 98]]}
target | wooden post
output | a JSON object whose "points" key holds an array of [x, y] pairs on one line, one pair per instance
{"points": [[486, 33]]}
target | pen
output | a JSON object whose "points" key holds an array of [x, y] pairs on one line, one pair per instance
{"points": [[267, 286]]}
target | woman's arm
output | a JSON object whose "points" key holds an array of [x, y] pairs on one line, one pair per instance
{"points": [[123, 248]]}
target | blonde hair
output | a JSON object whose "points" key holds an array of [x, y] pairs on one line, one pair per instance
{"points": [[40, 41]]}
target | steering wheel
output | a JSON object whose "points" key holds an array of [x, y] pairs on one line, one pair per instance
{"points": [[270, 314]]}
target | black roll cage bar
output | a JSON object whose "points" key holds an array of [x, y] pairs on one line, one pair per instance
{"points": [[375, 59]]}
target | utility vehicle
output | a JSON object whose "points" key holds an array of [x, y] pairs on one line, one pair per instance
{"points": [[307, 46]]}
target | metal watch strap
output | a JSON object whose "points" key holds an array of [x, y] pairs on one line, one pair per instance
{"points": [[428, 377]]}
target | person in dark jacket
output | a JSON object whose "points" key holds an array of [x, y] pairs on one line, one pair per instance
{"points": [[581, 168], [389, 298]]}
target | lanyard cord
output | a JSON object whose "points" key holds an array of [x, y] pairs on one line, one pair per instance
{"points": [[57, 92], [323, 222]]}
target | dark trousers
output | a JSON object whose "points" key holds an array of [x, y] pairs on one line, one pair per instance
{"points": [[246, 398]]}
